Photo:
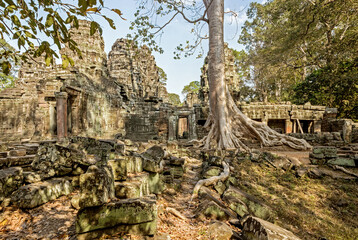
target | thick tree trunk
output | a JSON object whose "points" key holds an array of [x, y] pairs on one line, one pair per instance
{"points": [[216, 73], [227, 124]]}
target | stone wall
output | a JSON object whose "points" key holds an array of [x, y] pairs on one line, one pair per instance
{"points": [[93, 101], [157, 121]]}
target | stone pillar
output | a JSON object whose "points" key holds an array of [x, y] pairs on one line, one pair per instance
{"points": [[288, 126], [264, 118], [317, 126], [61, 107], [53, 120], [172, 125]]}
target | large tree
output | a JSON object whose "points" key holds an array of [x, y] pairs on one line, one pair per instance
{"points": [[287, 40], [227, 125]]}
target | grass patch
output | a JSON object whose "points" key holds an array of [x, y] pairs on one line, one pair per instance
{"points": [[311, 208]]}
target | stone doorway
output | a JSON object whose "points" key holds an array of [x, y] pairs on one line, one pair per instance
{"points": [[183, 128], [307, 126]]}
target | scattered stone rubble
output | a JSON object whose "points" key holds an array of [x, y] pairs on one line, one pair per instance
{"points": [[118, 184]]}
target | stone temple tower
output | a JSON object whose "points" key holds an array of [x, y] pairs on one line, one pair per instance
{"points": [[93, 62]]}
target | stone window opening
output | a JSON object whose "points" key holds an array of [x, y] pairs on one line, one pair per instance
{"points": [[277, 124], [201, 122]]}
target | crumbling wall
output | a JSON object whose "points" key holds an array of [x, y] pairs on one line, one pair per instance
{"points": [[136, 69], [94, 101]]}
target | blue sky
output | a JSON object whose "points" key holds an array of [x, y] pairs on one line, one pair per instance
{"points": [[183, 71]]}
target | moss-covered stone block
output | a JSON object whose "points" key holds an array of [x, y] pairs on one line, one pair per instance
{"points": [[36, 194], [212, 171], [141, 229], [220, 187], [156, 184], [346, 162], [10, 180], [134, 163], [246, 203], [96, 186], [120, 212], [119, 168]]}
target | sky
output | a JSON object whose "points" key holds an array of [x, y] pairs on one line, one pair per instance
{"points": [[180, 72]]}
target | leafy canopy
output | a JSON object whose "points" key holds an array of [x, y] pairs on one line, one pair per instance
{"points": [[192, 87], [174, 99], [287, 40], [342, 92]]}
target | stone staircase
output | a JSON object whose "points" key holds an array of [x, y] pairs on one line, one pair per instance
{"points": [[18, 155]]}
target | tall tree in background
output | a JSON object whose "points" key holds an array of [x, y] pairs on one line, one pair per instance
{"points": [[228, 125], [288, 39], [174, 99], [192, 87]]}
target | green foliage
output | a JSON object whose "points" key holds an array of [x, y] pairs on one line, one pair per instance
{"points": [[21, 21], [174, 99], [7, 80], [163, 78], [286, 40], [192, 87], [334, 87]]}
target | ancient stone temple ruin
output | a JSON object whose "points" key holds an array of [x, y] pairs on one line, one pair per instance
{"points": [[101, 141]]}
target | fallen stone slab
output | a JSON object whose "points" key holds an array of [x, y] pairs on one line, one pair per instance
{"points": [[212, 171], [119, 212], [243, 203], [210, 209], [20, 161], [10, 180], [134, 163], [141, 229], [17, 153], [96, 186], [55, 160], [156, 184], [31, 177], [153, 159], [256, 228], [119, 168], [36, 194], [346, 162], [175, 161], [219, 230]]}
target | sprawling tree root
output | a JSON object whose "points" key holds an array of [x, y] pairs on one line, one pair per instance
{"points": [[176, 213], [344, 170], [211, 181], [238, 127]]}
